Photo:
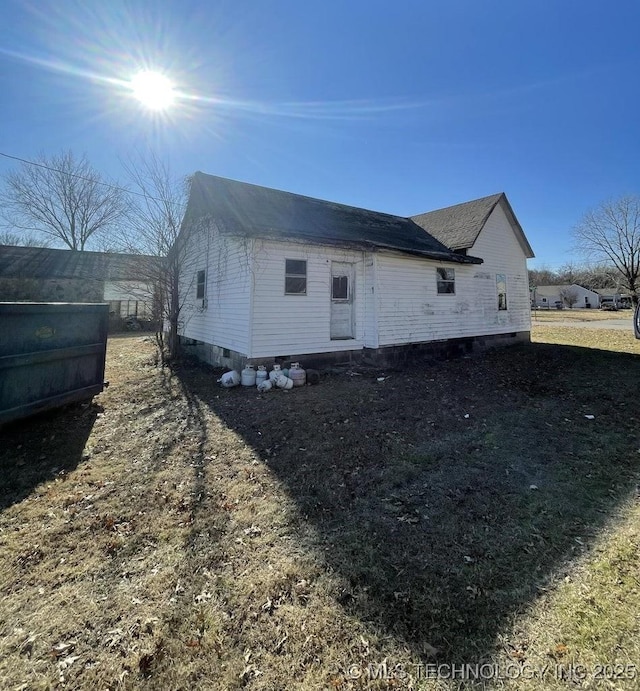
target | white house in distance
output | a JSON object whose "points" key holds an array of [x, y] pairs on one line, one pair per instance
{"points": [[274, 276], [572, 295]]}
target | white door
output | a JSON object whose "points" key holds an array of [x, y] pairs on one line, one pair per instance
{"points": [[342, 318]]}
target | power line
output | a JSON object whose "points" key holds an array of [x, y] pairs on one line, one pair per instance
{"points": [[81, 177]]}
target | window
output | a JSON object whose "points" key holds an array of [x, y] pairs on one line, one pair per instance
{"points": [[201, 278], [446, 281], [340, 288], [295, 277], [501, 284]]}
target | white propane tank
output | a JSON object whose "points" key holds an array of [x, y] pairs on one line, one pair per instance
{"points": [[275, 372], [230, 379], [248, 376], [265, 385], [261, 375], [298, 375], [283, 382]]}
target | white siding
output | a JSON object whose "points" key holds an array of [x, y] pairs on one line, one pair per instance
{"points": [[396, 300], [552, 295], [127, 290], [498, 245], [297, 324], [223, 320], [410, 310], [370, 302]]}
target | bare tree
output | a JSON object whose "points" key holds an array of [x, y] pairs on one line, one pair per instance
{"points": [[154, 220], [570, 272], [8, 237], [569, 296], [611, 233], [543, 276], [61, 198]]}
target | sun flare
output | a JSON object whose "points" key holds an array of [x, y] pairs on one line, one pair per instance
{"points": [[153, 90]]}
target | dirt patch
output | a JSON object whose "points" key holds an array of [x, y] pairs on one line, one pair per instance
{"points": [[174, 534]]}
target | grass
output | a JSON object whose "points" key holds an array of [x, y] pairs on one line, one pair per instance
{"points": [[578, 315], [616, 341], [176, 535]]}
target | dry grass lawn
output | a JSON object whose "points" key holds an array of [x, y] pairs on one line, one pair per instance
{"points": [[579, 315], [614, 340], [357, 534]]}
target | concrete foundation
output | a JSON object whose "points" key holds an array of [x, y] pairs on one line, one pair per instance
{"points": [[389, 356]]}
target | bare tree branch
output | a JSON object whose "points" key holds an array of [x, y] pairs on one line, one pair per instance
{"points": [[154, 219], [8, 237], [61, 198], [611, 233], [569, 296]]}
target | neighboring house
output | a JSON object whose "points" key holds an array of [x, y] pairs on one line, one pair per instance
{"points": [[37, 274], [571, 296], [271, 275], [613, 297]]}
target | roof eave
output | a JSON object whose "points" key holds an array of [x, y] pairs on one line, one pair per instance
{"points": [[364, 246]]}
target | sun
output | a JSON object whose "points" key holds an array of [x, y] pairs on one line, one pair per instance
{"points": [[153, 90]]}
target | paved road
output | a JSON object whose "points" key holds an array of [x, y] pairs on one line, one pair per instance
{"points": [[625, 324]]}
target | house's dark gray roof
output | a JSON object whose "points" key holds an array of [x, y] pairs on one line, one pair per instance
{"points": [[552, 290], [249, 210], [458, 226], [40, 262]]}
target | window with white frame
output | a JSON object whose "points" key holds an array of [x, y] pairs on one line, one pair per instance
{"points": [[295, 277], [446, 281], [501, 285], [201, 282]]}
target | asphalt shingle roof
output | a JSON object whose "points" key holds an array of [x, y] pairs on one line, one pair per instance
{"points": [[551, 291], [41, 262], [458, 226], [250, 210]]}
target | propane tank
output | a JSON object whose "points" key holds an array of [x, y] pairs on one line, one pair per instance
{"points": [[275, 372], [261, 374], [298, 375], [265, 385], [313, 376], [248, 376], [283, 382], [230, 379]]}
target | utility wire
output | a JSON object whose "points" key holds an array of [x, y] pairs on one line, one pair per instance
{"points": [[81, 177]]}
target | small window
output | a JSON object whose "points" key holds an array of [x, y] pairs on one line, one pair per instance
{"points": [[200, 284], [446, 281], [340, 288], [295, 277], [501, 284]]}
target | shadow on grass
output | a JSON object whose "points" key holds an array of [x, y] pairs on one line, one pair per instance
{"points": [[447, 497], [42, 447]]}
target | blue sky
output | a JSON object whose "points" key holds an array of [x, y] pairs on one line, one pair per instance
{"points": [[397, 106]]}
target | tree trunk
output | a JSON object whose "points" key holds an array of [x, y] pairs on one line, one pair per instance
{"points": [[174, 313]]}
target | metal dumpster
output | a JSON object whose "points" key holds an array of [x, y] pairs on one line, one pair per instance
{"points": [[50, 354]]}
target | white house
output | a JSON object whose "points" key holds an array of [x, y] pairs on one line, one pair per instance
{"points": [[572, 295], [272, 275]]}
